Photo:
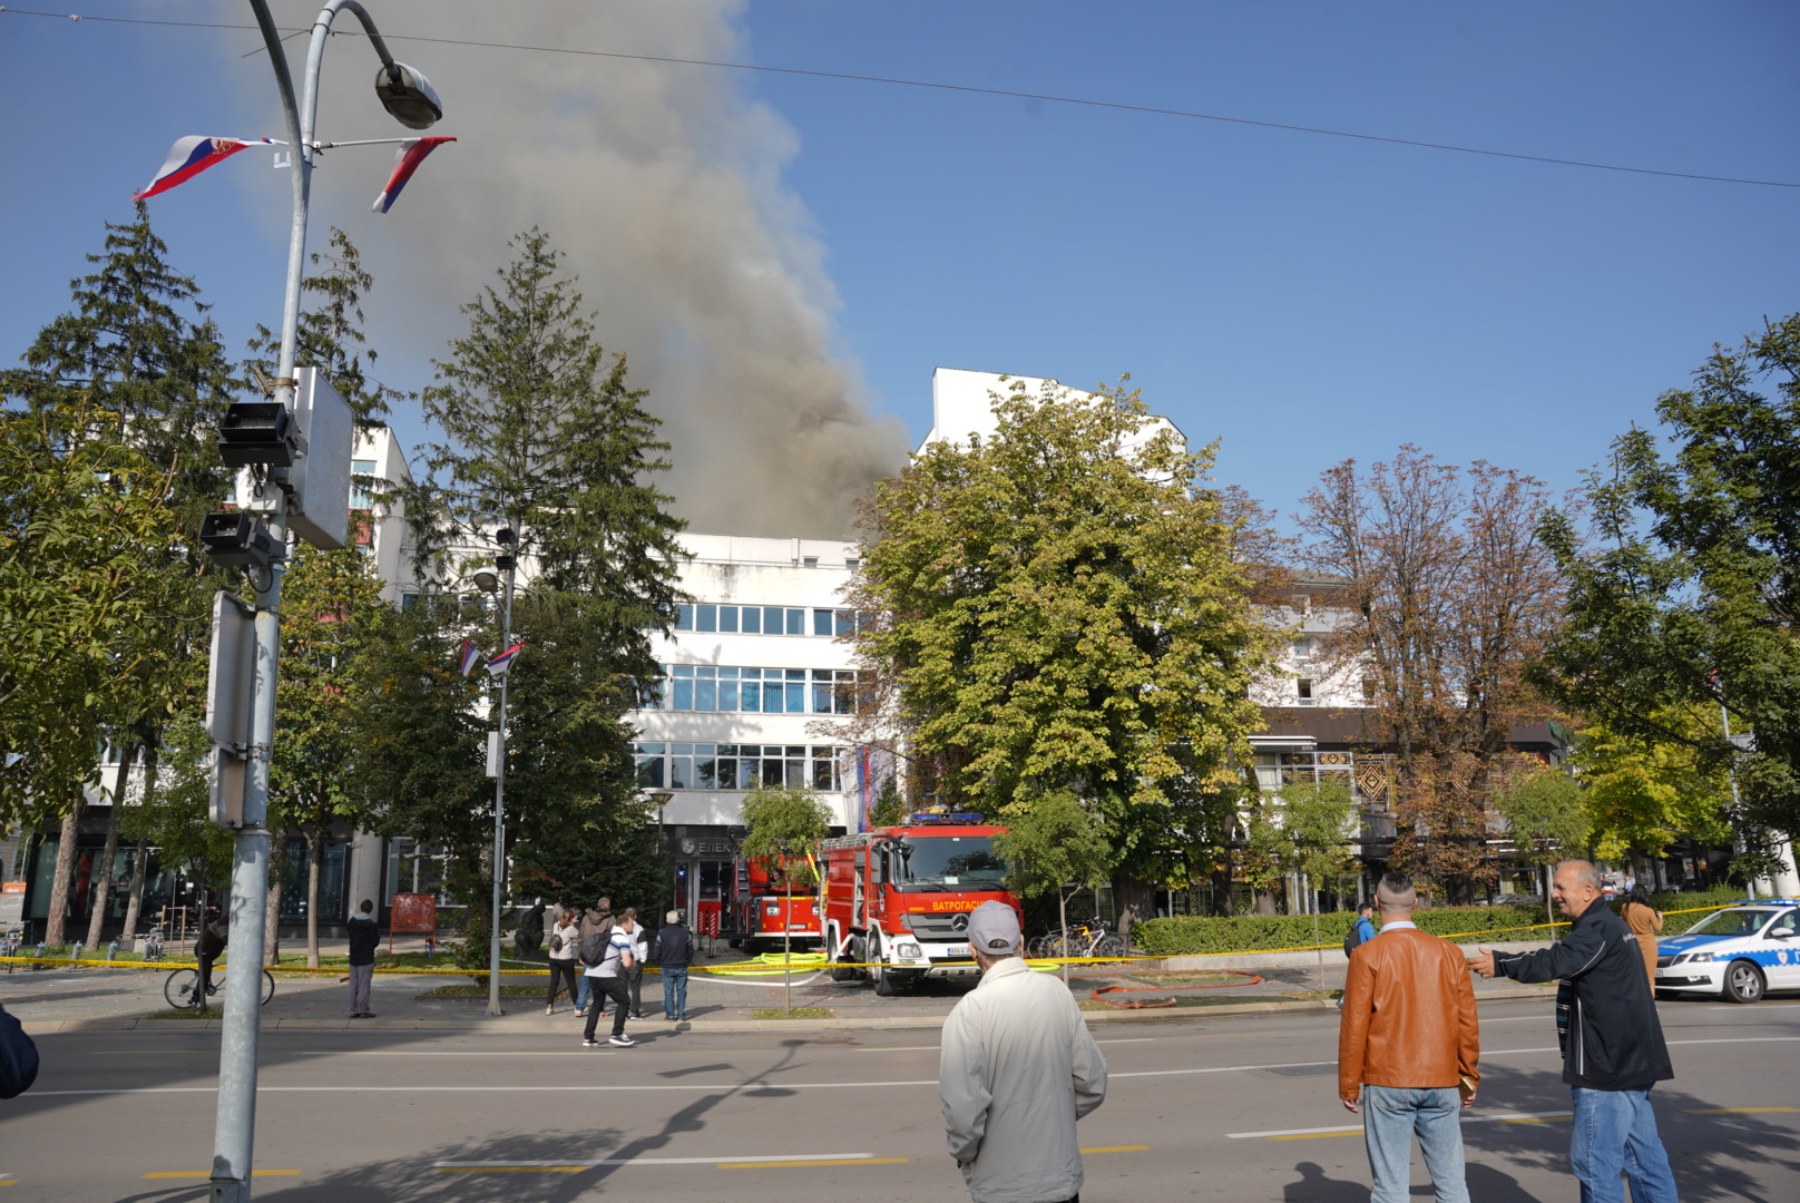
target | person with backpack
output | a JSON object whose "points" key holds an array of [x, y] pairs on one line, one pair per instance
{"points": [[597, 919], [609, 956], [565, 942], [1362, 931]]}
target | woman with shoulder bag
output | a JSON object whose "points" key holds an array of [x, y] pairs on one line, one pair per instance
{"points": [[565, 942], [1645, 922]]}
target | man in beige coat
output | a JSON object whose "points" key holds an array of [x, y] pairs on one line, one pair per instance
{"points": [[1017, 1068]]}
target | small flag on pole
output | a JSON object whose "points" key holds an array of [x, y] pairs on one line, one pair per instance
{"points": [[499, 664], [192, 155], [406, 161], [469, 657]]}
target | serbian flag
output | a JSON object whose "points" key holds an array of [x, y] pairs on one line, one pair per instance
{"points": [[412, 152], [469, 657], [192, 155], [499, 664]]}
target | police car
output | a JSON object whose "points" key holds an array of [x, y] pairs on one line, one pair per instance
{"points": [[1741, 952]]}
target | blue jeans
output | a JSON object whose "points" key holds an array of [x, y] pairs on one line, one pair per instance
{"points": [[1391, 1114], [1615, 1133], [581, 989], [674, 992]]}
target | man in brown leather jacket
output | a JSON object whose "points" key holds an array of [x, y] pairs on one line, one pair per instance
{"points": [[1408, 1042]]}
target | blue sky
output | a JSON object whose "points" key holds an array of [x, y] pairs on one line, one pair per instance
{"points": [[1302, 298]]}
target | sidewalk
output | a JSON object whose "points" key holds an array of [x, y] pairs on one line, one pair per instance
{"points": [[88, 999]]}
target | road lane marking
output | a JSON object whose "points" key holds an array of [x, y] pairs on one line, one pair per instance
{"points": [[1498, 1117], [809, 1165], [1743, 1110], [932, 1048], [756, 1085], [575, 1167], [1115, 1149], [208, 1174]]}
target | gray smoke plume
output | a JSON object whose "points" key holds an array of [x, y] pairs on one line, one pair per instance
{"points": [[662, 186]]}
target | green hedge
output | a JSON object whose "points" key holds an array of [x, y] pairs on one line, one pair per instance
{"points": [[1188, 935]]}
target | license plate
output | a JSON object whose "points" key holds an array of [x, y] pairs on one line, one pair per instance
{"points": [[958, 950]]}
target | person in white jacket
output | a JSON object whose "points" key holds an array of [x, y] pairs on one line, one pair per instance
{"points": [[1017, 1068]]}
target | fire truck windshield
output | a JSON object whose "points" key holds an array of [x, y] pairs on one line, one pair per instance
{"points": [[948, 862]]}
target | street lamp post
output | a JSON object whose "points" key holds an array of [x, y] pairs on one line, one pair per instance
{"points": [[409, 97], [509, 563]]}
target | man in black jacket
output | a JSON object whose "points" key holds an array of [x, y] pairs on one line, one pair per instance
{"points": [[1612, 1043], [674, 953], [365, 938], [18, 1058]]}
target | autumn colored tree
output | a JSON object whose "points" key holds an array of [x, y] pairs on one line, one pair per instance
{"points": [[1452, 595], [1060, 608]]}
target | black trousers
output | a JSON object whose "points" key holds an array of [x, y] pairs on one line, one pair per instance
{"points": [[613, 988], [634, 984], [560, 970]]}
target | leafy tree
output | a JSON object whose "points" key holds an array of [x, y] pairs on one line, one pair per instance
{"points": [[1453, 595], [135, 366], [541, 434], [1688, 593], [782, 826], [1643, 795], [1062, 610], [1550, 820], [1053, 845], [333, 618], [1316, 819]]}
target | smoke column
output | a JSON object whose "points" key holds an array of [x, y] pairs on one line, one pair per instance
{"points": [[661, 184]]}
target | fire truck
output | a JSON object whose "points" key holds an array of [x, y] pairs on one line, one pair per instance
{"points": [[898, 898], [766, 903]]}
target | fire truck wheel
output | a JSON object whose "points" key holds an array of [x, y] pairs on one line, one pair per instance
{"points": [[838, 973]]}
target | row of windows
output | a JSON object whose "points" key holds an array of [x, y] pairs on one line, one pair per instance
{"points": [[764, 620], [738, 766], [710, 688], [450, 607]]}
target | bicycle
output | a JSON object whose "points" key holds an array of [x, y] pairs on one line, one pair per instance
{"points": [[182, 988], [9, 946], [1083, 940]]}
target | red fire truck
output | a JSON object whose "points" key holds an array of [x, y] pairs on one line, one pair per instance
{"points": [[765, 903], [898, 898]]}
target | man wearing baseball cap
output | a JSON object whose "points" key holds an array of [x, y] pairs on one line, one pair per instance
{"points": [[1017, 1068]]}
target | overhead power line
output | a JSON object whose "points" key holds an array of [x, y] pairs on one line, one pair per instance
{"points": [[1118, 106]]}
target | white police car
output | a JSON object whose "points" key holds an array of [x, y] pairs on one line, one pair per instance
{"points": [[1741, 952]]}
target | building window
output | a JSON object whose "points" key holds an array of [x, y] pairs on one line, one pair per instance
{"points": [[809, 622], [699, 766], [730, 689], [1368, 690], [1305, 687], [361, 494]]}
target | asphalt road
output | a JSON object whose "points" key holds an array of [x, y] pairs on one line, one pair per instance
{"points": [[1233, 1107]]}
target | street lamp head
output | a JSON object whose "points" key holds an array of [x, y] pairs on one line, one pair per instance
{"points": [[661, 798], [487, 582], [408, 96]]}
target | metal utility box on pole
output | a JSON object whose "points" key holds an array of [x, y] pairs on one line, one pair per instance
{"points": [[319, 481]]}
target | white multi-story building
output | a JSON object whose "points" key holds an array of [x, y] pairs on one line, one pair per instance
{"points": [[757, 689]]}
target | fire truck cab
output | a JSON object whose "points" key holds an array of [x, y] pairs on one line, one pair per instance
{"points": [[897, 899]]}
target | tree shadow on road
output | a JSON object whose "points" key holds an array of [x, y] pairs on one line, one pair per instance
{"points": [[1714, 1154], [500, 1166]]}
